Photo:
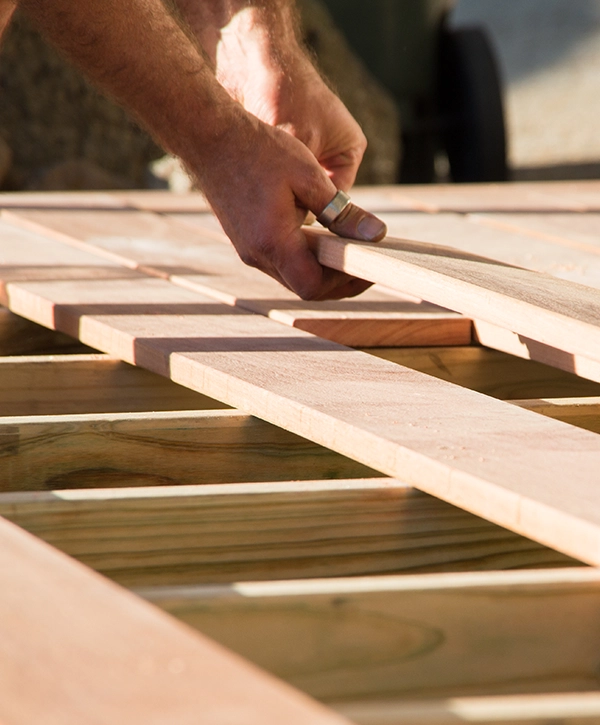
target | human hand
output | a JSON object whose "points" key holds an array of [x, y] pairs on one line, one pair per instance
{"points": [[260, 182], [272, 77]]}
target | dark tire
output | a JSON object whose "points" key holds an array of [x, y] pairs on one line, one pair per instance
{"points": [[417, 162], [470, 103]]}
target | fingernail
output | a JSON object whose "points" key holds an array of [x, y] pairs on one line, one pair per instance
{"points": [[372, 229]]}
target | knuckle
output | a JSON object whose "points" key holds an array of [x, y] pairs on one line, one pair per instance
{"points": [[312, 179], [257, 252], [248, 257], [363, 143]]}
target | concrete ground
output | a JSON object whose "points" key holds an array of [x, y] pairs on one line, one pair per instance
{"points": [[549, 53]]}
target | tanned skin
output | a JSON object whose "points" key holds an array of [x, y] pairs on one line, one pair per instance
{"points": [[235, 97], [7, 8]]}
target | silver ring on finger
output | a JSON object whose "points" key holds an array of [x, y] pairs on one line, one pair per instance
{"points": [[333, 210]]}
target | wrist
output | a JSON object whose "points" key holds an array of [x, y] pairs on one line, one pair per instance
{"points": [[260, 62], [210, 132]]}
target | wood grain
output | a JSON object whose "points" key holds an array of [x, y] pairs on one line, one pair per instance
{"points": [[146, 449], [22, 337], [474, 234], [257, 531], [582, 412], [430, 635], [197, 255], [513, 243], [504, 197], [493, 459], [77, 650], [571, 708], [576, 232], [511, 343], [61, 200], [89, 383], [548, 310], [490, 372]]}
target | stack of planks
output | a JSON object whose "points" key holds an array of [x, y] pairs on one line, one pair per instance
{"points": [[389, 503]]}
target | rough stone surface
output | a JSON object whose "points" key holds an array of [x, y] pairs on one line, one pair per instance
{"points": [[50, 115]]}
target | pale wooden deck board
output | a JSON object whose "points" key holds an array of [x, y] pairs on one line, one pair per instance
{"points": [[501, 462], [198, 256], [516, 197], [551, 311], [579, 634], [77, 650], [474, 235]]}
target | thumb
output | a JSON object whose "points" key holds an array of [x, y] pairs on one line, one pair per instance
{"points": [[353, 222], [356, 223]]}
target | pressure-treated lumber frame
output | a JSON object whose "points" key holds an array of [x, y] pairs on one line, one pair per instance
{"points": [[88, 383], [564, 708], [431, 635], [169, 448], [253, 531]]}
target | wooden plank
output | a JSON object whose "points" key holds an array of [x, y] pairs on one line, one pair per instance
{"points": [[504, 197], [574, 231], [491, 372], [165, 201], [582, 412], [91, 383], [496, 460], [22, 337], [571, 708], [254, 531], [17, 241], [429, 635], [551, 311], [198, 256], [524, 347], [76, 650], [510, 245], [469, 237], [148, 449], [377, 318], [61, 200]]}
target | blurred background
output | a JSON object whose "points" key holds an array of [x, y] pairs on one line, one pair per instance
{"points": [[549, 57], [445, 90]]}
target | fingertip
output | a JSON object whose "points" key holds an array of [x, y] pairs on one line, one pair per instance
{"points": [[356, 223], [371, 229]]}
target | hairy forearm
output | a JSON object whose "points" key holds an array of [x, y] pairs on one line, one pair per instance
{"points": [[7, 7], [138, 52], [258, 179], [211, 20], [245, 33]]}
